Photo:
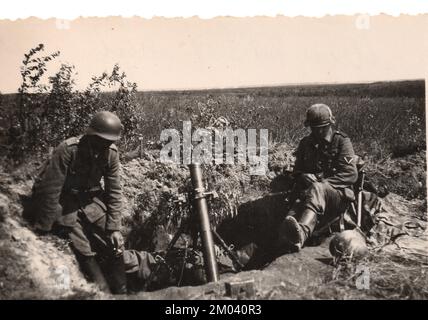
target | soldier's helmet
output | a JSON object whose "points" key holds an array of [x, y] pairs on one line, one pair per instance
{"points": [[348, 244], [105, 125], [319, 115]]}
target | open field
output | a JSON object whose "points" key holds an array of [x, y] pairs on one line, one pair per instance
{"points": [[379, 118]]}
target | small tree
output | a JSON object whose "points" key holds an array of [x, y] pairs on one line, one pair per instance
{"points": [[60, 111], [48, 113], [25, 120]]}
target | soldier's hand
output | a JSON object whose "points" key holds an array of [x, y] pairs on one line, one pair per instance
{"points": [[117, 240]]}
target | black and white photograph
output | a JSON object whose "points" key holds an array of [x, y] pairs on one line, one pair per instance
{"points": [[257, 158]]}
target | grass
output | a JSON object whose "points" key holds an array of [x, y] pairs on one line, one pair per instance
{"points": [[387, 277], [378, 117], [376, 122]]}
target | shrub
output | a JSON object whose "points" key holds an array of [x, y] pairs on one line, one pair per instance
{"points": [[47, 113]]}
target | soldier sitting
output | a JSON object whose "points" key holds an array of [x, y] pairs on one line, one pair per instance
{"points": [[68, 200], [325, 168]]}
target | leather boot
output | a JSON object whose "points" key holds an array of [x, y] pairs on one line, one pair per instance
{"points": [[298, 231], [116, 275], [92, 270]]}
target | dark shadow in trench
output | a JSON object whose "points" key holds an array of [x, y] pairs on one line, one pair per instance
{"points": [[253, 231]]}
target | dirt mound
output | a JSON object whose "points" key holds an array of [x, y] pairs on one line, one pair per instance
{"points": [[34, 267], [405, 175]]}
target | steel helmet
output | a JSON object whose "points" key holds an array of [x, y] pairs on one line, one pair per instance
{"points": [[348, 244], [319, 115], [105, 125]]}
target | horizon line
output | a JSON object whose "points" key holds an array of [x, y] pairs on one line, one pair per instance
{"points": [[260, 86]]}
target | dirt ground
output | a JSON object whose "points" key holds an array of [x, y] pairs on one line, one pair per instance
{"points": [[33, 267]]}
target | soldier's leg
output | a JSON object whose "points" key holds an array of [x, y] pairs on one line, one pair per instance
{"points": [[320, 199], [111, 261], [139, 266], [86, 256]]}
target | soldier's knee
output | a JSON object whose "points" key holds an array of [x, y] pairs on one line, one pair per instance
{"points": [[316, 192], [315, 197]]}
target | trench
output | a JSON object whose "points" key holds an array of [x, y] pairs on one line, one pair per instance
{"points": [[154, 215], [250, 231], [242, 243]]}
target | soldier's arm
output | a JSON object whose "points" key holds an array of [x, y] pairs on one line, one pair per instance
{"points": [[345, 170], [48, 188], [113, 191], [298, 164]]}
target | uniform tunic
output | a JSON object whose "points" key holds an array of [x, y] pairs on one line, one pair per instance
{"points": [[68, 192], [333, 163]]}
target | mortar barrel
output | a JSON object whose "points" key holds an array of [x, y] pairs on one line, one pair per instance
{"points": [[201, 206]]}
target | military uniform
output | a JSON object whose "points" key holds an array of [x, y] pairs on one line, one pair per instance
{"points": [[326, 168], [333, 164], [70, 200], [68, 193]]}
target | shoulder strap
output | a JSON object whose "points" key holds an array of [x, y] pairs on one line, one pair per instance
{"points": [[340, 133], [74, 141]]}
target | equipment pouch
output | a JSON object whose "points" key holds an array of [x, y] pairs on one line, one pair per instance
{"points": [[95, 210]]}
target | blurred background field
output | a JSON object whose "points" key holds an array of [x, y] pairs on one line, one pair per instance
{"points": [[380, 118]]}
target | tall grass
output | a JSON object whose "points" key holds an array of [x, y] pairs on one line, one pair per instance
{"points": [[378, 117], [376, 124]]}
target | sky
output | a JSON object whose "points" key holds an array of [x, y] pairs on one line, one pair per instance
{"points": [[192, 53]]}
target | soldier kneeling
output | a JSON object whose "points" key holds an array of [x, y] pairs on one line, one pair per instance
{"points": [[68, 200]]}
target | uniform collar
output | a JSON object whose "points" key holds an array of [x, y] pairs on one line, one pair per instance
{"points": [[327, 140]]}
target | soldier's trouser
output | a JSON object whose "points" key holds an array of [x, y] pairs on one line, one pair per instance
{"points": [[320, 204], [89, 239], [138, 265], [325, 200], [85, 236]]}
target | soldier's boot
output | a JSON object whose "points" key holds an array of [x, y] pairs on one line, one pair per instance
{"points": [[92, 270], [116, 275], [298, 231]]}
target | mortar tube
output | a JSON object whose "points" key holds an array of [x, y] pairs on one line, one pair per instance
{"points": [[201, 207]]}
